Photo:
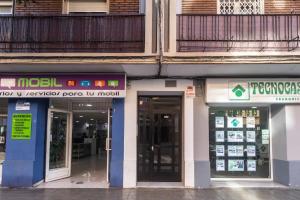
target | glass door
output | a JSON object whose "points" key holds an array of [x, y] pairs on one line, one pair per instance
{"points": [[159, 139], [59, 145]]}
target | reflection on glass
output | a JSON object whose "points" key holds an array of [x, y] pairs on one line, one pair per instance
{"points": [[239, 142], [58, 133], [3, 127]]}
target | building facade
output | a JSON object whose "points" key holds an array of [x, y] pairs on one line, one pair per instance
{"points": [[119, 93]]}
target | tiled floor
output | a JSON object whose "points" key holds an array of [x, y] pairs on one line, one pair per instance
{"points": [[151, 194], [88, 172], [246, 184]]}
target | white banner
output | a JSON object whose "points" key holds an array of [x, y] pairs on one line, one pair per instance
{"points": [[60, 93], [253, 91]]}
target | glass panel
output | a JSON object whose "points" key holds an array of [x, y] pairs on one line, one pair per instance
{"points": [[3, 128], [58, 136], [239, 141]]}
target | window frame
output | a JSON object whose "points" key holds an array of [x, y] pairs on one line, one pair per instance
{"points": [[7, 3], [66, 8], [262, 5]]}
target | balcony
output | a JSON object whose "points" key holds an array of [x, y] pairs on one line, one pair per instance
{"points": [[67, 33], [237, 33]]}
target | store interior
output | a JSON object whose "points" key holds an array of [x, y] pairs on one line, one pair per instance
{"points": [[89, 156]]}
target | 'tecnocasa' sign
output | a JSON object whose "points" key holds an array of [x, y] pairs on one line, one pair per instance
{"points": [[253, 90]]}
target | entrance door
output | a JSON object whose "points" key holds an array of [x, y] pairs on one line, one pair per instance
{"points": [[159, 139], [59, 145]]}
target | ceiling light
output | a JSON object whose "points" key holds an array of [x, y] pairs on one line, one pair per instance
{"points": [[89, 105], [81, 116]]}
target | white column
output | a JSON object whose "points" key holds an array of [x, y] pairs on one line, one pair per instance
{"points": [[201, 140], [189, 174], [173, 26], [130, 139], [148, 27]]}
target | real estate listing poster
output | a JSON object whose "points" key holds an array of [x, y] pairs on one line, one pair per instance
{"points": [[265, 136], [251, 165], [235, 136], [220, 165], [220, 150], [251, 136], [250, 121], [219, 136], [251, 151], [235, 151], [236, 165], [219, 122]]}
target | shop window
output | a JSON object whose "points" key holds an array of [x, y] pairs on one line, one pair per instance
{"points": [[243, 7], [3, 127], [6, 7], [88, 6], [239, 142]]}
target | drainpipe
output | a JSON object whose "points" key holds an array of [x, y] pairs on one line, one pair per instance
{"points": [[159, 8], [14, 7]]}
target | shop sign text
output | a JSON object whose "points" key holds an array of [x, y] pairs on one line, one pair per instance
{"points": [[101, 85], [21, 126], [250, 90]]}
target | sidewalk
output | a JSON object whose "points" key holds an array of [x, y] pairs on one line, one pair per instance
{"points": [[150, 194]]}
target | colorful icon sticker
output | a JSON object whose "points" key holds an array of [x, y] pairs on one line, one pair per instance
{"points": [[113, 83], [71, 83], [85, 83], [100, 83]]}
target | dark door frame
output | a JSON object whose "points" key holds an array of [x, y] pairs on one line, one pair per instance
{"points": [[178, 177]]}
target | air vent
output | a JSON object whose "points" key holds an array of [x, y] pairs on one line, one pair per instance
{"points": [[170, 83]]}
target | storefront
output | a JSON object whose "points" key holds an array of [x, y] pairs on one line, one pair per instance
{"points": [[252, 126], [56, 122]]}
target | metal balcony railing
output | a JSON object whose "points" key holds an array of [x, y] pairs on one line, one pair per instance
{"points": [[67, 33], [219, 33]]}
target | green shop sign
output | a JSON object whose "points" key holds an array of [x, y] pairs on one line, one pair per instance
{"points": [[21, 126]]}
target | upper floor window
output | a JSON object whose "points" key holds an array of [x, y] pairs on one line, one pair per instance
{"points": [[243, 7], [87, 6], [6, 7]]}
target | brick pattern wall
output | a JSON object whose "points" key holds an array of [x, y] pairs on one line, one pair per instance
{"points": [[210, 6], [40, 7], [124, 6], [55, 7], [199, 6], [282, 6]]}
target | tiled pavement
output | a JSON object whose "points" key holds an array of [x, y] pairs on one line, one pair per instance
{"points": [[151, 194]]}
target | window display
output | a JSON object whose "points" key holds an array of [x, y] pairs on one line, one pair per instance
{"points": [[239, 142], [3, 125]]}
